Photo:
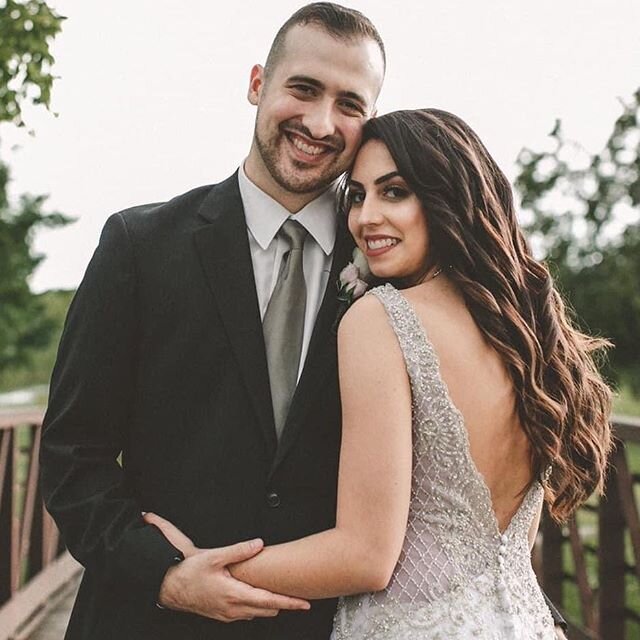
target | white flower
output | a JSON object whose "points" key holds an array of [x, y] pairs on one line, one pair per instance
{"points": [[357, 288], [360, 261], [349, 274], [351, 283]]}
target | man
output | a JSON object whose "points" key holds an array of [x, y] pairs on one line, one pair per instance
{"points": [[200, 345], [187, 350]]}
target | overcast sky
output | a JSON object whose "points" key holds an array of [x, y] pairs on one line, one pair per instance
{"points": [[152, 93]]}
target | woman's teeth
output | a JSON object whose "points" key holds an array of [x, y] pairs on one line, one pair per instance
{"points": [[381, 243], [307, 148]]}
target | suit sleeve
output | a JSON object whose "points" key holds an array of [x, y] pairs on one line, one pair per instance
{"points": [[558, 620], [86, 426]]}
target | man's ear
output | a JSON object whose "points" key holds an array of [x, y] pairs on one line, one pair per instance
{"points": [[256, 84]]}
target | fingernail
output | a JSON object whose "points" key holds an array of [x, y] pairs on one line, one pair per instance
{"points": [[257, 543]]}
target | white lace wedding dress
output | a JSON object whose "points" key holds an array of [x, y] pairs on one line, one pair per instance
{"points": [[457, 578]]}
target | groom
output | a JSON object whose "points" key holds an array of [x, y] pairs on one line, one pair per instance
{"points": [[200, 347], [200, 344]]}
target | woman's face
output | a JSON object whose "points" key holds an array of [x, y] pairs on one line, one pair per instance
{"points": [[386, 218]]}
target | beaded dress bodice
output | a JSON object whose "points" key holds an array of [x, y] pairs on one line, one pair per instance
{"points": [[457, 576]]}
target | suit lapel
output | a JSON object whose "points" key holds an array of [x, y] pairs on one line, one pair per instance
{"points": [[223, 246], [321, 355]]}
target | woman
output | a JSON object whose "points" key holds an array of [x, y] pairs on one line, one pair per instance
{"points": [[468, 398]]}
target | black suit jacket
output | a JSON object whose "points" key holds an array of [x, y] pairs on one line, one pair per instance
{"points": [[162, 358]]}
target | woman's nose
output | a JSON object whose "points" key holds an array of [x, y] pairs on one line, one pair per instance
{"points": [[370, 212]]}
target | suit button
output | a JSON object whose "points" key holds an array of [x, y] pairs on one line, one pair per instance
{"points": [[273, 499]]}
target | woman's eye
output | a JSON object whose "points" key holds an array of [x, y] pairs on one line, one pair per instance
{"points": [[395, 193], [356, 197]]}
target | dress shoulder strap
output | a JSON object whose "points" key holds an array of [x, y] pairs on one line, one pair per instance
{"points": [[415, 346]]}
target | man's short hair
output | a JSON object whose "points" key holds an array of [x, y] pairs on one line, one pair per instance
{"points": [[338, 21]]}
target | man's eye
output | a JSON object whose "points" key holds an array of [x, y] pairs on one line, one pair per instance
{"points": [[352, 106], [303, 89]]}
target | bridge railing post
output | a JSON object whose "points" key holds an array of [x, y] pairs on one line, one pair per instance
{"points": [[6, 512], [611, 565]]}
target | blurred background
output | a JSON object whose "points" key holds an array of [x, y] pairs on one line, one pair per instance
{"points": [[108, 105]]}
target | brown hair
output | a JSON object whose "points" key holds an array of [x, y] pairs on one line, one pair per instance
{"points": [[563, 403], [338, 21]]}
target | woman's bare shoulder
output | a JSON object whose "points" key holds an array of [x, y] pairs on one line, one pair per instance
{"points": [[365, 318], [439, 306], [366, 338]]}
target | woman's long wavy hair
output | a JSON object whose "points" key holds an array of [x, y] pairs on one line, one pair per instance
{"points": [[562, 401]]}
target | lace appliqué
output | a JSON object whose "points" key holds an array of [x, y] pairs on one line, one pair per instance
{"points": [[457, 576]]}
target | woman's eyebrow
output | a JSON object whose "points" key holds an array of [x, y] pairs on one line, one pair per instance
{"points": [[385, 177]]}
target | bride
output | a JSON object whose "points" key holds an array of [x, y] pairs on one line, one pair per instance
{"points": [[468, 399]]}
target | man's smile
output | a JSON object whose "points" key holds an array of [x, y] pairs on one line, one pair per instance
{"points": [[306, 149]]}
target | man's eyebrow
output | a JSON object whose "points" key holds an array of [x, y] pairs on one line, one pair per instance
{"points": [[352, 95], [307, 80]]}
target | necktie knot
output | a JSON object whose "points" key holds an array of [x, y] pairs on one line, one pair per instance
{"points": [[295, 233]]}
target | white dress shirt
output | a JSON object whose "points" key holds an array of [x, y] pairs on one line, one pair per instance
{"points": [[264, 218]]}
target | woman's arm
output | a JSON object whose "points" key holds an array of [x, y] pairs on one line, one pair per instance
{"points": [[374, 483]]}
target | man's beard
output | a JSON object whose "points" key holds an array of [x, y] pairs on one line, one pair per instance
{"points": [[271, 156]]}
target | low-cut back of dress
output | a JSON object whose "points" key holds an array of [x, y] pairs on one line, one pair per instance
{"points": [[457, 577]]}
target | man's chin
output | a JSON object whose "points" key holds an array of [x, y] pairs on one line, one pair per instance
{"points": [[306, 184]]}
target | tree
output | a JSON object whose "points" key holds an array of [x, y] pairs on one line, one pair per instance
{"points": [[26, 31], [584, 220]]}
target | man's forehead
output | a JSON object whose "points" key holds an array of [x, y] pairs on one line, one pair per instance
{"points": [[354, 63], [311, 38]]}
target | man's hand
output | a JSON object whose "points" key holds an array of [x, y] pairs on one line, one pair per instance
{"points": [[202, 584]]}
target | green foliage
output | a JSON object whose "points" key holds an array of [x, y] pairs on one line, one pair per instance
{"points": [[36, 370], [23, 326], [584, 209], [626, 403], [26, 31]]}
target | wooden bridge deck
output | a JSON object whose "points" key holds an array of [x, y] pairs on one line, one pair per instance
{"points": [[54, 623], [599, 546]]}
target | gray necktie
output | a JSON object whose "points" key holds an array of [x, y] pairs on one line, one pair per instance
{"points": [[283, 324]]}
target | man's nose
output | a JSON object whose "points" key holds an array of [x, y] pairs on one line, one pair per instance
{"points": [[319, 120]]}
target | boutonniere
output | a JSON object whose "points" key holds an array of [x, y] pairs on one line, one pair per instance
{"points": [[352, 280], [352, 283]]}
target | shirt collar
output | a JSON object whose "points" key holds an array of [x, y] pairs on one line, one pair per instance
{"points": [[265, 216]]}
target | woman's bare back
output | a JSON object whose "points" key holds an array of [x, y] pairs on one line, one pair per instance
{"points": [[481, 389]]}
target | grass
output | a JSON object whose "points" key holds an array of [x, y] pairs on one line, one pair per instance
{"points": [[626, 403]]}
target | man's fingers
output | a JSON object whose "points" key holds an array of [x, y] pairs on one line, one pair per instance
{"points": [[249, 613], [171, 533], [238, 552], [262, 599]]}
